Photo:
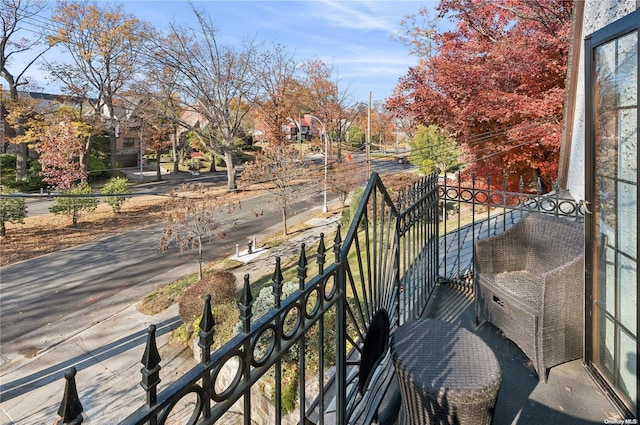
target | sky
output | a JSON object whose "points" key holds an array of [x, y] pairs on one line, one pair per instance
{"points": [[354, 36]]}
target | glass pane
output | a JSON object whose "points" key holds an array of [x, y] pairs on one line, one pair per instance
{"points": [[607, 282], [605, 342], [628, 366], [606, 110], [628, 150], [627, 74], [627, 219], [605, 204], [628, 296]]}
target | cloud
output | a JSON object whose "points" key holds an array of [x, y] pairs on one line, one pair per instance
{"points": [[363, 16]]}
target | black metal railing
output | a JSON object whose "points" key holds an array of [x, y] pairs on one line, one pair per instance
{"points": [[392, 257], [475, 210], [385, 267]]}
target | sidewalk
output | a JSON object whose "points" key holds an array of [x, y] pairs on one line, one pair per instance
{"points": [[107, 355]]}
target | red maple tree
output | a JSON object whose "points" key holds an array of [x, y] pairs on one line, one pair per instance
{"points": [[60, 149], [497, 80]]}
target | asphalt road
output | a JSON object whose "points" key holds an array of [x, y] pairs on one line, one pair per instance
{"points": [[52, 297], [40, 204]]}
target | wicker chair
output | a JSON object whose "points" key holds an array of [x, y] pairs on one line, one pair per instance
{"points": [[529, 283]]}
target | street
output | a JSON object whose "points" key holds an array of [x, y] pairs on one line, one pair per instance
{"points": [[49, 298], [57, 295]]}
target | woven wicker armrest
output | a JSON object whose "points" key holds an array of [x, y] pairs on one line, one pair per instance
{"points": [[563, 292]]}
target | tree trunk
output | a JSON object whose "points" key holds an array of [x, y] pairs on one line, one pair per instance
{"points": [[200, 259], [284, 221], [22, 152], [212, 168], [158, 172], [3, 230], [22, 149], [231, 172], [174, 151]]}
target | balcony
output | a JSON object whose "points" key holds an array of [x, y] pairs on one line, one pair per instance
{"points": [[311, 359]]}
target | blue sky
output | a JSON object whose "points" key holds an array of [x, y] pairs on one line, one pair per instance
{"points": [[354, 36]]}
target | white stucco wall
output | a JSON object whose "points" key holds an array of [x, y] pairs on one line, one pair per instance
{"points": [[597, 14]]}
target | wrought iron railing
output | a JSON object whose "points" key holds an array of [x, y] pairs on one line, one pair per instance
{"points": [[383, 273], [472, 211]]}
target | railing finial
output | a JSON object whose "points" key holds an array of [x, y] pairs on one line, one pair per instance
{"points": [[70, 410], [521, 185], [337, 242], [277, 284], [207, 330], [538, 186], [246, 302], [302, 266], [151, 367], [322, 250]]}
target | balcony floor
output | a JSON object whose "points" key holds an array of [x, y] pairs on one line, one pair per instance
{"points": [[569, 397]]}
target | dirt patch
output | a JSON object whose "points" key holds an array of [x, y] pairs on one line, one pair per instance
{"points": [[28, 351]]}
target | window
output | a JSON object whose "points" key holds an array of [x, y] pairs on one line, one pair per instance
{"points": [[612, 248], [128, 142]]}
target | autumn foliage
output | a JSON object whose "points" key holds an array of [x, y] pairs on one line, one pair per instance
{"points": [[497, 80], [60, 149]]}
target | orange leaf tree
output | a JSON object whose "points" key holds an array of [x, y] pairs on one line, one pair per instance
{"points": [[497, 79]]}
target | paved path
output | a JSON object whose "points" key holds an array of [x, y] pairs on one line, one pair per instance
{"points": [[107, 354]]}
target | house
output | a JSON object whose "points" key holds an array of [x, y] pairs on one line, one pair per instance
{"points": [[43, 102], [304, 128]]}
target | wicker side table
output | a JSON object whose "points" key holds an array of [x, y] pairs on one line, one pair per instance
{"points": [[446, 374]]}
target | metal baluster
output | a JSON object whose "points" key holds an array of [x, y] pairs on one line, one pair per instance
{"points": [[504, 202], [277, 300], [302, 276], [341, 347], [206, 340], [320, 260], [246, 304]]}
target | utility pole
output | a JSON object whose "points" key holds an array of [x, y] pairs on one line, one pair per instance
{"points": [[323, 136], [368, 144]]}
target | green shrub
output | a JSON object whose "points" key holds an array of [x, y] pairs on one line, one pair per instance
{"points": [[289, 389], [264, 302], [116, 186], [181, 335], [98, 169], [30, 182], [7, 161], [345, 219], [225, 317], [220, 285], [33, 179], [12, 210], [73, 206], [353, 207]]}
